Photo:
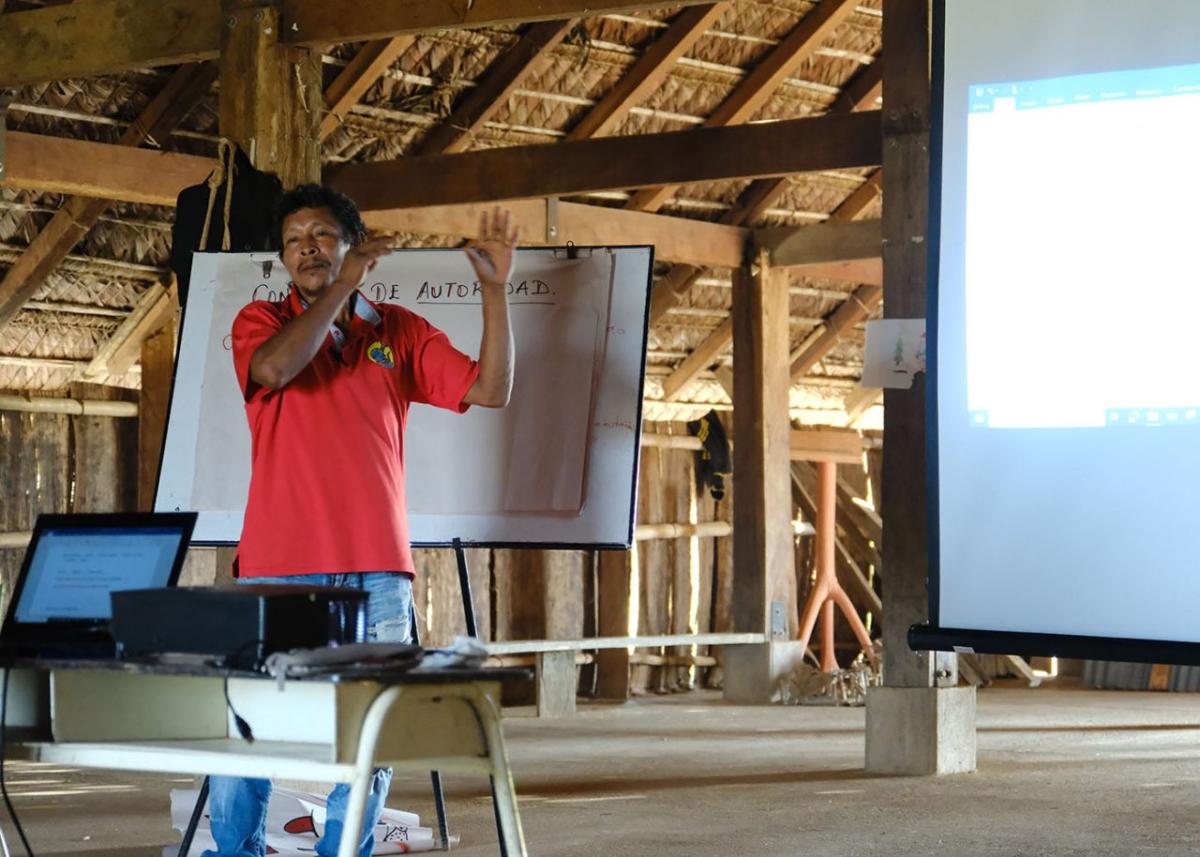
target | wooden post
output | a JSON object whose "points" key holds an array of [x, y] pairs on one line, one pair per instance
{"points": [[763, 559], [271, 97], [270, 106], [913, 726], [906, 124], [158, 365], [106, 473], [612, 665]]}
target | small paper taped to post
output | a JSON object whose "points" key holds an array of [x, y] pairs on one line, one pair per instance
{"points": [[894, 353]]}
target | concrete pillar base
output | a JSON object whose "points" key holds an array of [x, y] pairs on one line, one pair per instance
{"points": [[556, 681], [920, 731], [752, 670]]}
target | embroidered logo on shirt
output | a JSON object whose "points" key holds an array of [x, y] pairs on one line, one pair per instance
{"points": [[381, 354]]}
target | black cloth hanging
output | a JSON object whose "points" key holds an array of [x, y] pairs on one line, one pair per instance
{"points": [[713, 461], [232, 210]]}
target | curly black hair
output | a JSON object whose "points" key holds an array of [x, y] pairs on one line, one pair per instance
{"points": [[318, 196]]}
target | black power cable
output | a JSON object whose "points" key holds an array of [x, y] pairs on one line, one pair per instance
{"points": [[4, 788]]}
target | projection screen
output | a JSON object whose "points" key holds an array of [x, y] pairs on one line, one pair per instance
{"points": [[1064, 304]]}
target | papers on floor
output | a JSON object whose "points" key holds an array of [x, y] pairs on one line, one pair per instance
{"points": [[296, 820]]}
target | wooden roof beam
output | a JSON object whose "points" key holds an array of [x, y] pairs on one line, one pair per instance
{"points": [[370, 63], [123, 173], [651, 68], [805, 246], [106, 36], [60, 165], [506, 74], [72, 222], [675, 239], [760, 84], [709, 154], [318, 22]]}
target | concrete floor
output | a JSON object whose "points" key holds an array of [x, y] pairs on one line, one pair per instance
{"points": [[1061, 772]]}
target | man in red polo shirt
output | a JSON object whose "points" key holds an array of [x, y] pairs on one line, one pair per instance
{"points": [[328, 377]]}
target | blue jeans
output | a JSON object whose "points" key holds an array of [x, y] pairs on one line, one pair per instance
{"points": [[237, 806]]}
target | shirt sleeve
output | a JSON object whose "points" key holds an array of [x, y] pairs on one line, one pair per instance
{"points": [[441, 374], [254, 325]]}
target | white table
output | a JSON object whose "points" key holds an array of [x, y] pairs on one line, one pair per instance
{"points": [[174, 720]]}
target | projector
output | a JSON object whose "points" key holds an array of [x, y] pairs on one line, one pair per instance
{"points": [[240, 625]]}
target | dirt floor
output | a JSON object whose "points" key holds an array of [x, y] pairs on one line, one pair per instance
{"points": [[1062, 771]]}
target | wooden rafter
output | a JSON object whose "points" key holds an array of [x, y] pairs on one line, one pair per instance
{"points": [[72, 222], [708, 154], [506, 74], [107, 36], [860, 400], [348, 88], [651, 68], [758, 86], [155, 307], [860, 305], [700, 359]]}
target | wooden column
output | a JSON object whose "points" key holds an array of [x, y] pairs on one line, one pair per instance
{"points": [[158, 364], [271, 97], [906, 122], [271, 102], [763, 558], [612, 592], [104, 454]]}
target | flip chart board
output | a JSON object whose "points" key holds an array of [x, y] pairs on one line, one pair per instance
{"points": [[557, 467]]}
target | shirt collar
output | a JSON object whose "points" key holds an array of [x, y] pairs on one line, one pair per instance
{"points": [[363, 308]]}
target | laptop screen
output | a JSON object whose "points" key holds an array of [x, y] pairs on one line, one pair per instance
{"points": [[73, 572], [75, 562]]}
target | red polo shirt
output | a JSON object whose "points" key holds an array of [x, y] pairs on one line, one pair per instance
{"points": [[327, 450]]}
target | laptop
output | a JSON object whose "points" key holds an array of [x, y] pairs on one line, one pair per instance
{"points": [[61, 602]]}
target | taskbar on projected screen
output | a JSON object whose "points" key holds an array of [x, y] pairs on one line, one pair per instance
{"points": [[1110, 418]]}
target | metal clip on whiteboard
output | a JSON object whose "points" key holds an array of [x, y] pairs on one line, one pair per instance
{"points": [[570, 251], [266, 260]]}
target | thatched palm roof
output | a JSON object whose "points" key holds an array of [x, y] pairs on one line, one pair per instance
{"points": [[83, 301]]}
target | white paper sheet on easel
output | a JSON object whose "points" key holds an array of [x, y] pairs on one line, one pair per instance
{"points": [[894, 353], [545, 467]]}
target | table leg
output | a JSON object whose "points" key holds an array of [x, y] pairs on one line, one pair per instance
{"points": [[504, 794], [365, 769]]}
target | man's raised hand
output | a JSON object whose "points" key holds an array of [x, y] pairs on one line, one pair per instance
{"points": [[491, 254], [364, 256]]}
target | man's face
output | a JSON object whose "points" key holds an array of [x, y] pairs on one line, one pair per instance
{"points": [[313, 249]]}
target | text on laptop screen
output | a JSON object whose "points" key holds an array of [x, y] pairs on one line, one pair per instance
{"points": [[73, 572]]}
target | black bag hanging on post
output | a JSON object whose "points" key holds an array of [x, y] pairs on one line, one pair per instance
{"points": [[713, 462], [232, 210]]}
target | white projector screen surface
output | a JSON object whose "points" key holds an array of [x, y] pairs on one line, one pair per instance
{"points": [[1067, 299]]}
